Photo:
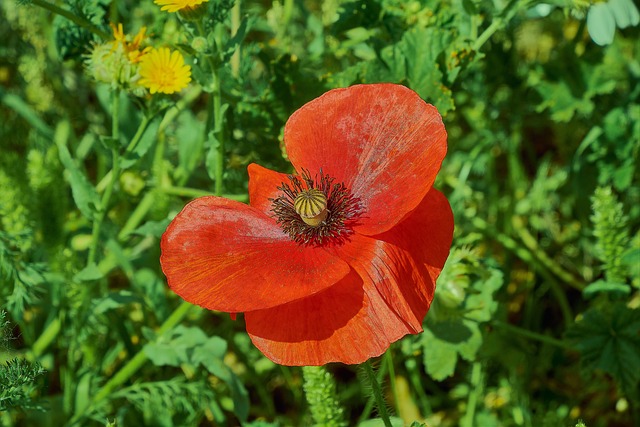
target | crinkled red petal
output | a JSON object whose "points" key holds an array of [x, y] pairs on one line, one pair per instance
{"points": [[405, 261], [382, 140], [263, 185], [224, 255], [347, 323], [385, 297]]}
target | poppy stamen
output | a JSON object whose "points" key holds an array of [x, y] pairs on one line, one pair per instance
{"points": [[315, 211]]}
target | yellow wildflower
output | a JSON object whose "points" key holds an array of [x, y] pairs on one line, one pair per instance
{"points": [[164, 71], [177, 5]]}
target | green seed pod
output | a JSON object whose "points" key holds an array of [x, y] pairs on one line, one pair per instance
{"points": [[311, 205]]}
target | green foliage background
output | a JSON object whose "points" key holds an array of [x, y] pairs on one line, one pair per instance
{"points": [[536, 319]]}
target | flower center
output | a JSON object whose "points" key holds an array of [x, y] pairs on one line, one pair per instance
{"points": [[315, 211], [311, 205]]}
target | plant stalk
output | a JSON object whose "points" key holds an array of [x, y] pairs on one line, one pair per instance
{"points": [[377, 393], [115, 174], [81, 22]]}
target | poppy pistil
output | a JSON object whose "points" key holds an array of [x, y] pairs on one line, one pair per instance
{"points": [[315, 211], [311, 205]]}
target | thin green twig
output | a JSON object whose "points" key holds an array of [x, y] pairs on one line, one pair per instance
{"points": [[78, 20], [115, 173], [530, 334]]}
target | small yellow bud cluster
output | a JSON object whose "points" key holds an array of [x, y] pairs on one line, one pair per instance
{"points": [[116, 62]]}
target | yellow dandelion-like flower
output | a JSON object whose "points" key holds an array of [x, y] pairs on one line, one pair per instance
{"points": [[164, 71], [177, 5]]}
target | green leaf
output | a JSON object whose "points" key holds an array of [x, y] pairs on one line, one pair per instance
{"points": [[152, 228], [83, 392], [601, 24], [114, 300], [192, 345], [610, 341], [210, 354], [89, 273], [415, 60], [109, 142], [560, 100], [173, 349], [481, 306], [451, 331], [84, 194], [144, 145], [602, 286], [232, 45], [190, 134], [440, 355]]}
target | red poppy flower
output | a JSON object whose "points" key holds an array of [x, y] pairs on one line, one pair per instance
{"points": [[335, 263]]}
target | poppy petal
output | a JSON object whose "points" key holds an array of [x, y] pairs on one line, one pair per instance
{"points": [[381, 140], [347, 323], [405, 262], [263, 186], [224, 255]]}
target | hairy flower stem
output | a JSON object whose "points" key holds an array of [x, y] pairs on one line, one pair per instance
{"points": [[115, 173], [377, 393], [217, 129], [79, 21], [320, 391], [215, 119]]}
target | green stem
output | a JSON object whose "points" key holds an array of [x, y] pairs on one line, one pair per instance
{"points": [[388, 360], [135, 363], [287, 12], [234, 61], [474, 395], [487, 33], [138, 214], [215, 117], [139, 132], [142, 127], [46, 338], [115, 173], [80, 21], [530, 334], [195, 192], [500, 21], [532, 244], [377, 393], [368, 407], [218, 128]]}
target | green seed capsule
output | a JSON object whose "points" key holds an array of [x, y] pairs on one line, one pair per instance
{"points": [[311, 205]]}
